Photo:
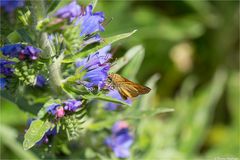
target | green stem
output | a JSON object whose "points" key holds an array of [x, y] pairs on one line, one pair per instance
{"points": [[55, 78]]}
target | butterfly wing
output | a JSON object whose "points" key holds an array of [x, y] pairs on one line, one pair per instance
{"points": [[127, 88]]}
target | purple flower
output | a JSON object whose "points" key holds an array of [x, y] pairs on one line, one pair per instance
{"points": [[96, 66], [72, 105], [3, 83], [70, 11], [90, 22], [31, 52], [40, 81], [10, 5], [121, 140], [20, 51], [5, 67], [12, 50], [113, 106], [59, 110], [52, 109], [47, 135]]}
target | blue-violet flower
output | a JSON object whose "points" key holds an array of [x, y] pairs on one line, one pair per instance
{"points": [[5, 67], [69, 11], [12, 50], [90, 22], [96, 66], [3, 83], [59, 110], [121, 140], [20, 51], [10, 5], [40, 81]]}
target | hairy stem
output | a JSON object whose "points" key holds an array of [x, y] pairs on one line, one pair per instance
{"points": [[55, 78]]}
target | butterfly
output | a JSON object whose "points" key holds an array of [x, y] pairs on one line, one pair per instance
{"points": [[127, 88]]}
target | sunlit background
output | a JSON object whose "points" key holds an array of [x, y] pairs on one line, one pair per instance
{"points": [[192, 48]]}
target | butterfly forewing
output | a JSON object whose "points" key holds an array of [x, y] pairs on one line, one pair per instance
{"points": [[127, 88]]}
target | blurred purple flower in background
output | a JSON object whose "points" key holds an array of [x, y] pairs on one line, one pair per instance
{"points": [[40, 81], [113, 106], [3, 83], [121, 140], [10, 5], [96, 66]]}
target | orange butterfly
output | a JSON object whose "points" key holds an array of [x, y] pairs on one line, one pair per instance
{"points": [[127, 88]]}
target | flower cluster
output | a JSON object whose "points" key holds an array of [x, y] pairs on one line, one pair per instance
{"points": [[96, 66], [90, 22], [20, 51], [121, 140], [10, 5], [59, 110]]}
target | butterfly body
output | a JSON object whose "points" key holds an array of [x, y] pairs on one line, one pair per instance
{"points": [[127, 88]]}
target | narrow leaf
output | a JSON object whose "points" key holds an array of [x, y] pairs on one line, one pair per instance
{"points": [[105, 42], [105, 98], [35, 133], [131, 53], [131, 69]]}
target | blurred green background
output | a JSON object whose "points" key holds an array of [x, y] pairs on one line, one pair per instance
{"points": [[194, 47]]}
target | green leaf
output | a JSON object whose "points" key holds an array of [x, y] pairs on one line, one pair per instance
{"points": [[149, 113], [131, 53], [233, 97], [105, 42], [9, 138], [131, 69], [151, 83], [105, 98], [35, 133], [200, 115]]}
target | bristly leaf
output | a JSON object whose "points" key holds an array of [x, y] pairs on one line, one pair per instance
{"points": [[131, 53], [131, 69], [73, 123], [35, 133], [105, 42]]}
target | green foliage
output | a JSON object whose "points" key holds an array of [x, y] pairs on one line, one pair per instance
{"points": [[105, 42], [8, 138], [35, 133], [73, 124], [189, 114]]}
